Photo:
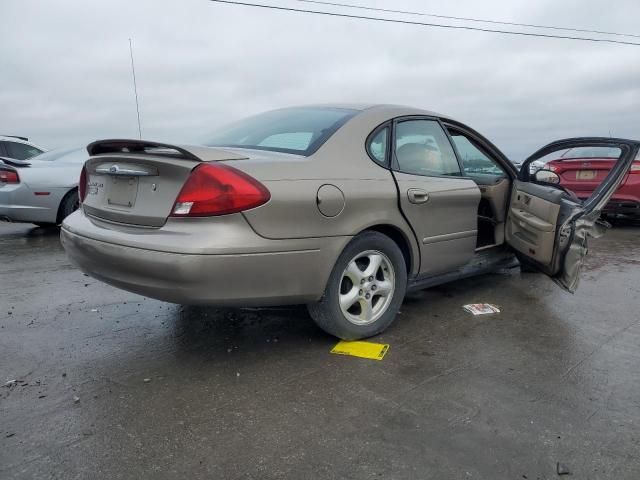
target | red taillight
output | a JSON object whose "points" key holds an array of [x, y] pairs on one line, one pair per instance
{"points": [[635, 167], [218, 190], [553, 168], [82, 185], [9, 176]]}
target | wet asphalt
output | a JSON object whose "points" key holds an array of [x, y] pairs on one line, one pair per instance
{"points": [[112, 385]]}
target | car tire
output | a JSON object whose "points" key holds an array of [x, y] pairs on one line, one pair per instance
{"points": [[68, 205], [365, 289]]}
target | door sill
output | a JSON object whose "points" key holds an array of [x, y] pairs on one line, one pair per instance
{"points": [[489, 260], [486, 247]]}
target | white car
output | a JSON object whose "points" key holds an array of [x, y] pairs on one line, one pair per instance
{"points": [[537, 165], [20, 148], [42, 190]]}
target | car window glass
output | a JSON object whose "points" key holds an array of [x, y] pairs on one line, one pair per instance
{"points": [[21, 151], [288, 141], [378, 145], [67, 155], [474, 160], [422, 148], [300, 130]]}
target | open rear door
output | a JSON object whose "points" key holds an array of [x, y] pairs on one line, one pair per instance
{"points": [[547, 225]]}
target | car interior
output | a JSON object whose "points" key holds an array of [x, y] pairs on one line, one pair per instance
{"points": [[532, 220], [495, 186], [420, 157], [529, 224]]}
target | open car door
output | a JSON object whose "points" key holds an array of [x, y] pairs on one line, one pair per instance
{"points": [[547, 225]]}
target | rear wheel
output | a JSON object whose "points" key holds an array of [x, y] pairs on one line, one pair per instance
{"points": [[69, 204], [365, 289]]}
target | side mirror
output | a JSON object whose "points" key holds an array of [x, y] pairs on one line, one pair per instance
{"points": [[547, 176]]}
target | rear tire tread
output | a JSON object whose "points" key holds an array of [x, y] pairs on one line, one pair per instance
{"points": [[68, 205], [327, 313]]}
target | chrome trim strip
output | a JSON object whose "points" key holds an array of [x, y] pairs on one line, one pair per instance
{"points": [[449, 236], [127, 171]]}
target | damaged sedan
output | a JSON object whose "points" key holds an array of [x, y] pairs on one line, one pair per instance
{"points": [[342, 208]]}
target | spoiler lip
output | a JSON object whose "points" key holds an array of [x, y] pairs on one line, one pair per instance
{"points": [[16, 136], [582, 159], [12, 162], [144, 147], [100, 147]]}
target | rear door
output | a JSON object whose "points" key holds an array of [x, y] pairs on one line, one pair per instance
{"points": [[440, 205], [548, 226]]}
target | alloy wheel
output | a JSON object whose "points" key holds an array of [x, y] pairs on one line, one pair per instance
{"points": [[366, 287]]}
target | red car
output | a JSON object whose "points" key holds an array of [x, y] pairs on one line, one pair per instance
{"points": [[582, 169]]}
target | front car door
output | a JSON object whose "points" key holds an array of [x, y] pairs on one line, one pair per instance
{"points": [[440, 205], [548, 226], [494, 175]]}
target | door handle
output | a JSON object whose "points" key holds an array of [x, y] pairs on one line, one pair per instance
{"points": [[417, 195]]}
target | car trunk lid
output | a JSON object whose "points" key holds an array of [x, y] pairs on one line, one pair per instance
{"points": [[583, 175], [136, 182]]}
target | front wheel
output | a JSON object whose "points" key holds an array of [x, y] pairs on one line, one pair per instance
{"points": [[365, 289]]}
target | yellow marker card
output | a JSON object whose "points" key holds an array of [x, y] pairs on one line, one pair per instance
{"points": [[373, 351]]}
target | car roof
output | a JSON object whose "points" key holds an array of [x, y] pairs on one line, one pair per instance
{"points": [[392, 109], [386, 111]]}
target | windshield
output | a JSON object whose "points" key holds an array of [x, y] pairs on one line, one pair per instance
{"points": [[74, 155], [291, 130]]}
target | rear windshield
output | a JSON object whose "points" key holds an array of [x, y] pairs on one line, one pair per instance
{"points": [[290, 130], [73, 155], [592, 152]]}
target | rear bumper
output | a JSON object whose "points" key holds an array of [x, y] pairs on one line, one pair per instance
{"points": [[258, 272]]}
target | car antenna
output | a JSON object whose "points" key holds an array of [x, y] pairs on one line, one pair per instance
{"points": [[135, 88]]}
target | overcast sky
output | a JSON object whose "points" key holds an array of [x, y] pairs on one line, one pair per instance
{"points": [[65, 75]]}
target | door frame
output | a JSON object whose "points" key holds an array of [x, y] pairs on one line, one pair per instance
{"points": [[485, 144], [616, 174], [579, 221]]}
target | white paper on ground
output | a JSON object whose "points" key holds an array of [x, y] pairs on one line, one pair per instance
{"points": [[481, 308]]}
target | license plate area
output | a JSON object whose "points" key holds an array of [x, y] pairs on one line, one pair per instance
{"points": [[585, 174], [122, 191]]}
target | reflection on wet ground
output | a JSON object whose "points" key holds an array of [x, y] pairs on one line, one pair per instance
{"points": [[112, 385]]}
